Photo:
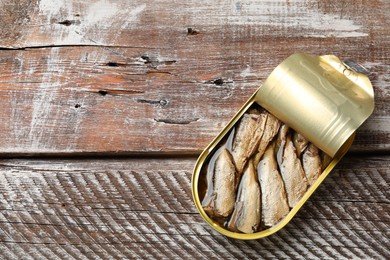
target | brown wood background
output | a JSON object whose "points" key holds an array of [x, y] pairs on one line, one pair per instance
{"points": [[105, 105]]}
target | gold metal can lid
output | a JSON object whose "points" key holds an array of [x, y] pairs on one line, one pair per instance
{"points": [[319, 97]]}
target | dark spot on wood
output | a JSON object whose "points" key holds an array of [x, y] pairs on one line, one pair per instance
{"points": [[103, 92], [67, 22], [77, 106], [146, 59], [191, 31], [115, 64], [218, 82], [147, 101], [114, 92], [176, 121], [162, 102], [63, 205], [112, 64]]}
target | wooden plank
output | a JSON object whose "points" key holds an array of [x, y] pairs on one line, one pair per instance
{"points": [[141, 23], [128, 209], [165, 88], [62, 100]]}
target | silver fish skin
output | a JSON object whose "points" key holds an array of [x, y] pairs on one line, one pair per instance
{"points": [[300, 143], [311, 162], [221, 187], [248, 135], [273, 195], [291, 169], [246, 215], [271, 129], [281, 140]]}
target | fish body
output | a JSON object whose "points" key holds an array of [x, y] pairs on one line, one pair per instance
{"points": [[311, 162], [273, 195], [221, 185], [300, 143], [291, 169], [246, 215], [247, 138], [270, 130]]}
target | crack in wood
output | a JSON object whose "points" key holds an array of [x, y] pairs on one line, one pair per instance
{"points": [[69, 22], [155, 61], [17, 48], [176, 121], [162, 102], [157, 72], [103, 92], [191, 31], [117, 92], [115, 64], [219, 82]]}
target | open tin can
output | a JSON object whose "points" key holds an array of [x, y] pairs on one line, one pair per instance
{"points": [[243, 185]]}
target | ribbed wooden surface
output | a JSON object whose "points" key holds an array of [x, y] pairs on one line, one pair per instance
{"points": [[105, 105], [132, 78], [128, 208]]}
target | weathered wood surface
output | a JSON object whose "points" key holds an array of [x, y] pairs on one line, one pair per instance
{"points": [[160, 79], [114, 76], [127, 208]]}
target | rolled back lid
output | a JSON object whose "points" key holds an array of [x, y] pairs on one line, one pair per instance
{"points": [[319, 97]]}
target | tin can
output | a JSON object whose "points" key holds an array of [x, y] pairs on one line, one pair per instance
{"points": [[319, 97]]}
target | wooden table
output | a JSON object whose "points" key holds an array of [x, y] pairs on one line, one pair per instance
{"points": [[105, 106]]}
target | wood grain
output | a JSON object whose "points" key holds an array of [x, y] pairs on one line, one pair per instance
{"points": [[153, 78], [159, 80], [128, 209]]}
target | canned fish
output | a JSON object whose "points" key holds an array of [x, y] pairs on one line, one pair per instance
{"points": [[263, 166]]}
